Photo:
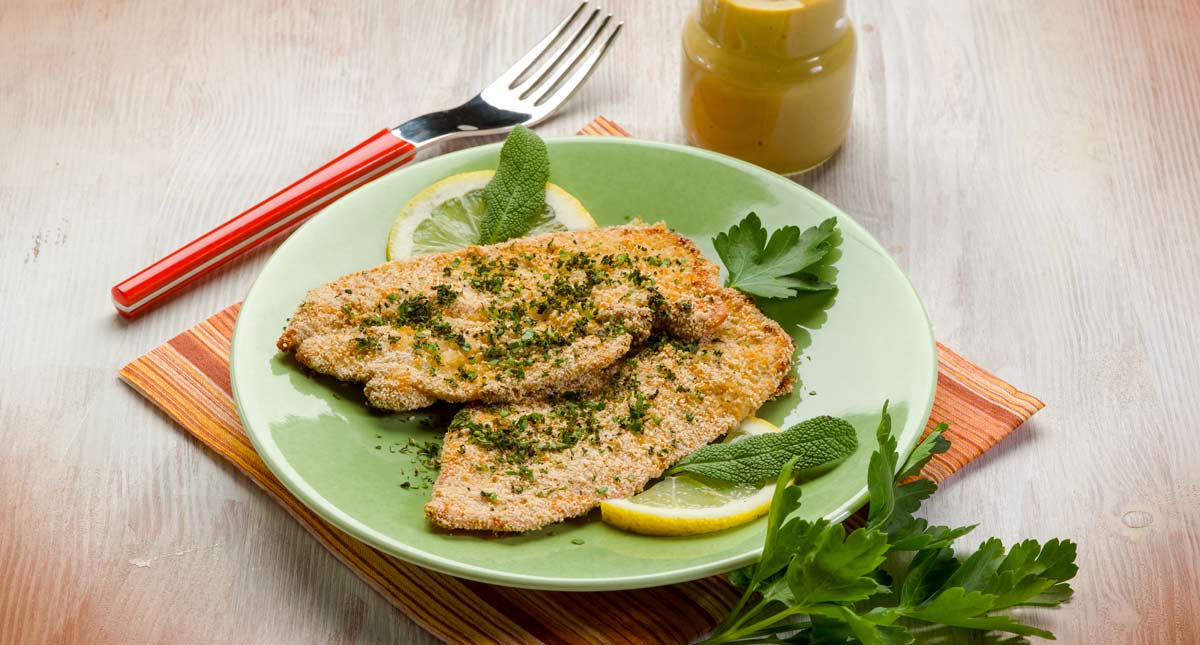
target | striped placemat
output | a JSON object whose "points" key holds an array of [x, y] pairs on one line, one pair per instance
{"points": [[188, 378]]}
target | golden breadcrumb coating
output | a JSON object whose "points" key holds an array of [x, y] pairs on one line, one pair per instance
{"points": [[532, 316], [520, 466]]}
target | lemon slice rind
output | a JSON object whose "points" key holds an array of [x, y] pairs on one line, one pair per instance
{"points": [[567, 211], [630, 515]]}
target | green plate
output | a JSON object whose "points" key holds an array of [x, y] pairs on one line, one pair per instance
{"points": [[868, 342]]}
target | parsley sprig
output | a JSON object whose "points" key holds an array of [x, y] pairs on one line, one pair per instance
{"points": [[779, 266], [817, 584]]}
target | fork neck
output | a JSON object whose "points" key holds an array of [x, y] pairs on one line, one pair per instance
{"points": [[475, 117]]}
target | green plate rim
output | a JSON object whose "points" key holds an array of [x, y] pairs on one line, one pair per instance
{"points": [[296, 484]]}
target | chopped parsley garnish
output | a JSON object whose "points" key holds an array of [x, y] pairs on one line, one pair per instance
{"points": [[637, 414], [366, 343], [413, 311], [445, 295]]}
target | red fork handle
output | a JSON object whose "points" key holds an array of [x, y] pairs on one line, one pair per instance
{"points": [[277, 214]]}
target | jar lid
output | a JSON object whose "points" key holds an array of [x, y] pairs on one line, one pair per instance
{"points": [[785, 29]]}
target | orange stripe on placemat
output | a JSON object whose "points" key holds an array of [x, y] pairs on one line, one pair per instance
{"points": [[1002, 393], [602, 127], [980, 408], [188, 378]]}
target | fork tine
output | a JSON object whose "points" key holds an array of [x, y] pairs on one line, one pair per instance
{"points": [[518, 71], [562, 55], [575, 74]]}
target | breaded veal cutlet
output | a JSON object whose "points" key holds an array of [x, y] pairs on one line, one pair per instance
{"points": [[533, 316], [520, 466]]}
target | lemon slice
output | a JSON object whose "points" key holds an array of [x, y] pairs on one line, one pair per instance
{"points": [[689, 504], [445, 216]]}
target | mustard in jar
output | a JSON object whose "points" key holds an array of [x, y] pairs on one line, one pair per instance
{"points": [[769, 81]]}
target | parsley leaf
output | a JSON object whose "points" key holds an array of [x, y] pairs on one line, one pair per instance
{"points": [[777, 267], [881, 474], [893, 503], [516, 195], [816, 442], [816, 584], [940, 589], [776, 549], [933, 444], [829, 566]]}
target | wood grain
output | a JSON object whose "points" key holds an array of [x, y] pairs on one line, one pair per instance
{"points": [[1034, 166]]}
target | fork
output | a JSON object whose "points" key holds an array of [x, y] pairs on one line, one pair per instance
{"points": [[525, 94]]}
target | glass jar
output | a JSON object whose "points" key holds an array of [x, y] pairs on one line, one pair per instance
{"points": [[769, 81]]}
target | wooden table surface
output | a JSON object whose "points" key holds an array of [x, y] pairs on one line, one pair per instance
{"points": [[1034, 167]]}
